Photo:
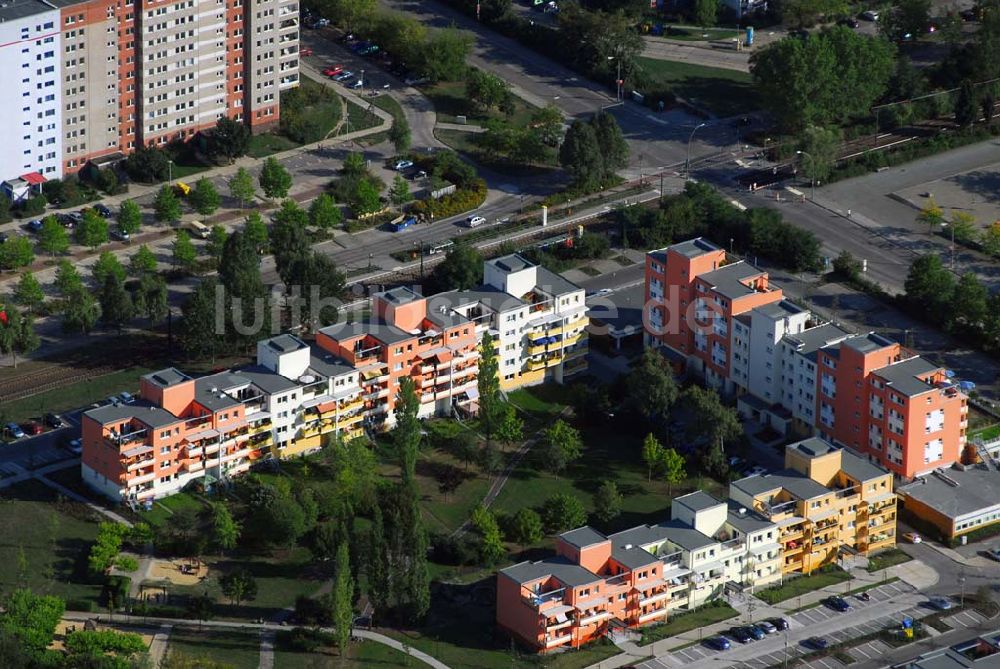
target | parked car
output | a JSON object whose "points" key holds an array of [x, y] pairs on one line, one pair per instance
{"points": [[816, 643], [837, 604], [757, 470], [780, 623], [102, 210], [756, 632], [870, 15], [53, 421], [321, 23], [35, 226], [126, 397], [912, 537], [76, 216], [119, 234], [14, 430], [66, 220], [994, 554], [305, 51], [75, 446], [768, 627], [718, 643], [474, 221], [357, 83], [940, 603], [741, 634], [848, 21], [343, 76], [401, 165], [197, 229], [33, 427], [333, 70]]}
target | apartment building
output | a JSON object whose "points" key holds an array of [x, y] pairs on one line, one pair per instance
{"points": [[636, 577], [826, 503], [734, 329], [90, 79]]}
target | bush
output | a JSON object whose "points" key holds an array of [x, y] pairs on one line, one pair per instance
{"points": [[86, 605], [33, 206], [461, 201], [455, 551], [126, 563], [116, 591], [303, 640], [309, 611]]}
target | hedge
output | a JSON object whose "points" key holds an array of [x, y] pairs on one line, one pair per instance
{"points": [[461, 201]]}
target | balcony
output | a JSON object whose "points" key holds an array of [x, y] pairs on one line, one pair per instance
{"points": [[540, 600], [557, 640], [593, 618], [772, 510], [140, 462], [288, 24], [653, 598], [652, 615], [143, 478], [732, 544]]}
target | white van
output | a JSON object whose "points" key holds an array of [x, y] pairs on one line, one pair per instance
{"points": [[197, 229]]}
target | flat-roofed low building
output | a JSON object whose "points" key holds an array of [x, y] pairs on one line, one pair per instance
{"points": [[956, 501]]}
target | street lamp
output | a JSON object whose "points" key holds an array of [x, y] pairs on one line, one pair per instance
{"points": [[687, 163], [952, 228], [170, 172], [618, 78], [812, 179]]}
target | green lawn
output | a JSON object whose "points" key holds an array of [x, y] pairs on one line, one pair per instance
{"points": [[264, 145], [721, 92], [389, 104], [685, 622], [800, 585], [314, 104], [74, 395], [45, 542], [235, 649], [987, 433], [359, 656], [887, 558], [465, 142], [164, 508], [450, 102], [699, 34], [360, 118]]}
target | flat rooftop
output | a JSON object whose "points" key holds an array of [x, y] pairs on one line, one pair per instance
{"points": [[165, 378], [12, 10], [902, 376], [797, 484], [728, 280], [867, 343], [698, 500], [285, 343], [693, 248], [399, 295], [956, 493], [569, 574], [811, 340], [514, 262]]}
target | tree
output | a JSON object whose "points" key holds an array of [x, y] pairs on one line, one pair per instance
{"points": [[991, 239], [92, 231], [199, 335], [803, 13], [241, 187], [225, 530], [491, 11], [107, 265], [229, 140], [239, 585], [526, 527], [488, 385], [929, 286], [274, 179], [510, 427], [562, 445], [28, 293], [352, 14], [116, 305], [773, 237], [200, 608], [963, 226], [610, 142], [562, 512], [365, 198], [931, 215], [320, 283], [445, 54], [143, 261], [324, 212], [714, 424], [217, 237], [166, 206], [966, 104], [342, 599], [819, 151], [461, 269], [151, 298], [580, 155], [673, 468], [129, 217], [970, 305], [704, 12], [399, 194], [288, 239], [53, 238], [354, 164], [185, 255], [17, 333], [400, 135], [16, 252], [825, 79], [908, 19], [204, 197], [491, 549], [255, 232], [407, 435], [68, 281], [607, 502], [652, 455], [847, 266], [486, 89], [651, 386], [81, 313], [147, 164]]}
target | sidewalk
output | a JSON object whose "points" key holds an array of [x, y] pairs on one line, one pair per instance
{"points": [[915, 573]]}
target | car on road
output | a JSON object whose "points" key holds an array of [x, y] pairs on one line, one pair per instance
{"points": [[474, 221], [35, 226], [75, 446], [912, 537], [53, 421], [870, 15], [119, 234], [994, 553], [768, 627], [76, 216], [343, 76], [816, 643], [718, 643], [837, 604], [756, 632], [401, 165], [741, 634], [14, 430], [333, 70], [305, 51], [940, 603], [779, 623], [33, 427], [126, 397], [102, 210], [848, 21], [357, 83], [757, 470]]}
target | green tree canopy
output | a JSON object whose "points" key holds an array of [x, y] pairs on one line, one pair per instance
{"points": [[53, 238], [92, 230], [204, 197], [241, 187], [129, 217], [562, 512], [274, 179], [166, 206]]}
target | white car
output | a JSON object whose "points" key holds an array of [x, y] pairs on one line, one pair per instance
{"points": [[474, 221], [401, 165], [757, 471]]}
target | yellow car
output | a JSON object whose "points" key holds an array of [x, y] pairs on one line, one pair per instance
{"points": [[182, 188]]}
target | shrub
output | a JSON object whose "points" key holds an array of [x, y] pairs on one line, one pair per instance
{"points": [[126, 563], [86, 605], [462, 200], [303, 640]]}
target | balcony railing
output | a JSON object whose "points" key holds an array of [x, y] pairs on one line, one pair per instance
{"points": [[615, 581], [671, 560], [541, 598], [593, 618], [732, 544], [772, 510]]}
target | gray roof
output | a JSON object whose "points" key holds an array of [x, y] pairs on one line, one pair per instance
{"points": [[641, 535], [859, 468], [866, 343], [387, 334], [13, 10], [285, 343], [632, 557], [144, 412], [399, 295], [746, 522], [975, 489], [166, 378], [902, 376], [217, 400], [552, 283], [659, 255], [728, 280], [780, 309], [268, 381], [448, 319], [811, 340], [495, 299], [571, 575], [620, 311], [693, 248], [325, 364], [686, 536], [697, 501], [582, 537], [797, 484], [514, 262], [812, 447]]}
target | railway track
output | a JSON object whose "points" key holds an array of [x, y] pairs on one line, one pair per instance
{"points": [[39, 381]]}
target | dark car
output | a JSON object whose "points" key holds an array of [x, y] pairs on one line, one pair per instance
{"points": [[66, 220], [33, 427], [837, 604], [816, 642], [848, 21], [741, 634], [780, 623], [119, 235], [35, 225], [53, 421], [102, 210], [756, 632], [3, 237], [718, 643]]}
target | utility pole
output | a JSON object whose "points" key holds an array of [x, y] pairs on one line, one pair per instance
{"points": [[687, 162]]}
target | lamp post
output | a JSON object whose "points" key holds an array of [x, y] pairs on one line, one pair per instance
{"points": [[618, 78], [952, 228], [170, 172], [687, 162], [812, 179]]}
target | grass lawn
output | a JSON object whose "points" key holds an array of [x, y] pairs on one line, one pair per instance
{"points": [[360, 118], [699, 34], [74, 395], [450, 102], [465, 142], [268, 143], [359, 656], [236, 649], [164, 508], [389, 104], [800, 585], [987, 433], [721, 92], [887, 558], [685, 622], [314, 104], [54, 538]]}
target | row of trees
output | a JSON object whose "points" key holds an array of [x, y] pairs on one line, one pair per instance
{"points": [[593, 151]]}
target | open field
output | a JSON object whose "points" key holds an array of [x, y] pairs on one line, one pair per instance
{"points": [[237, 649], [800, 585], [721, 92]]}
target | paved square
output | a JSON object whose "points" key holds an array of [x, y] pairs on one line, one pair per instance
{"points": [[976, 192]]}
